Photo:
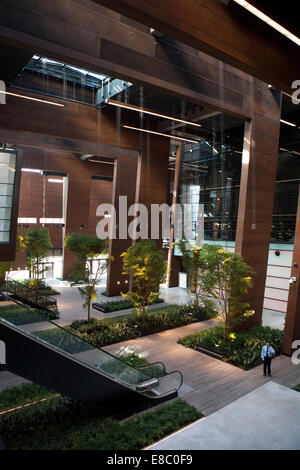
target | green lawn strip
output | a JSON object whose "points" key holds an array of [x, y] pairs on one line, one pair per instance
{"points": [[12, 397], [19, 315], [109, 331], [115, 305], [61, 424], [242, 349]]}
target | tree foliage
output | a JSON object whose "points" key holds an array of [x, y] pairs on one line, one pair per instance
{"points": [[220, 275], [148, 269], [37, 243], [87, 247], [6, 266]]}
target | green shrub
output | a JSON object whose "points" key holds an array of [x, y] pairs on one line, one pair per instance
{"points": [[109, 331], [115, 305], [41, 287], [297, 388], [243, 348], [60, 424], [22, 394], [104, 332]]}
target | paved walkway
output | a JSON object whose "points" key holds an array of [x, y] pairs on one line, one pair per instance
{"points": [[250, 423]]}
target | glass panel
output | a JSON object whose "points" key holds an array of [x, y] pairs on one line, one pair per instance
{"points": [[7, 167], [210, 180], [7, 178], [4, 237], [70, 344], [4, 225], [5, 213]]}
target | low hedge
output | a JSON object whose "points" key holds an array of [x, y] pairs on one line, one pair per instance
{"points": [[62, 424], [104, 332], [242, 349], [22, 394], [116, 305], [297, 388]]}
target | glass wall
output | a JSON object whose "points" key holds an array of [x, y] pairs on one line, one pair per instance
{"points": [[7, 180], [210, 180], [286, 199]]}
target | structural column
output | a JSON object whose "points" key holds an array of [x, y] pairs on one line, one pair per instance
{"points": [[259, 166], [124, 184], [292, 319], [77, 213]]}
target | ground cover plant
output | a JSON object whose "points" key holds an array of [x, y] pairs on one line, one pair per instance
{"points": [[242, 349]]}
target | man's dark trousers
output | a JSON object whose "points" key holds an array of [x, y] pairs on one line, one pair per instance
{"points": [[267, 365]]}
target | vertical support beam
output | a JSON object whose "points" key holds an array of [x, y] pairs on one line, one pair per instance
{"points": [[124, 184], [259, 165], [292, 319], [77, 213], [173, 265]]}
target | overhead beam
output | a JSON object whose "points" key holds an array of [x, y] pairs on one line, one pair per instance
{"points": [[226, 32], [83, 33]]}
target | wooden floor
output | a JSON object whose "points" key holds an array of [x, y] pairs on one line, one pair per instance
{"points": [[209, 384]]}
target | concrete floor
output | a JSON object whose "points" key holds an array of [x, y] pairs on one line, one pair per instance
{"points": [[267, 418]]}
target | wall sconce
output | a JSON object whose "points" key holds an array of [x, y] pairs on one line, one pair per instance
{"points": [[118, 283], [126, 282], [81, 226]]}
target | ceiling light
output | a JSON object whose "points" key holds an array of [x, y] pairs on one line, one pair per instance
{"points": [[30, 98], [269, 21], [101, 161], [170, 136], [147, 111], [288, 123], [31, 170]]}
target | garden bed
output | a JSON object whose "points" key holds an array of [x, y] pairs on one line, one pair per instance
{"points": [[63, 424], [116, 305], [114, 330], [241, 349]]}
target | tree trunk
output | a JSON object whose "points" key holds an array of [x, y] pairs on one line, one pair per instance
{"points": [[89, 311]]}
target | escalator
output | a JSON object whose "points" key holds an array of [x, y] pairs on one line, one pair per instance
{"points": [[69, 365]]}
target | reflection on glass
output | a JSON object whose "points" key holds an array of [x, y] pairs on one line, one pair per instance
{"points": [[7, 179]]}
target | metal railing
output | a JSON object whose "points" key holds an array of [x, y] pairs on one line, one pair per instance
{"points": [[29, 295]]}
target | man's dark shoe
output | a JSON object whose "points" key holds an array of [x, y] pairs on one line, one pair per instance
{"points": [[270, 375], [264, 375]]}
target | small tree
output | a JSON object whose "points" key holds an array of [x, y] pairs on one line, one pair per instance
{"points": [[37, 243], [196, 262], [233, 279], [86, 247], [148, 269]]}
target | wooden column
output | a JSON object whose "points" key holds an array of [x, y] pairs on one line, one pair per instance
{"points": [[292, 319], [77, 213], [124, 184], [143, 178], [259, 165]]}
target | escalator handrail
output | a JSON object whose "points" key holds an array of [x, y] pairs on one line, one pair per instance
{"points": [[78, 337], [48, 298]]}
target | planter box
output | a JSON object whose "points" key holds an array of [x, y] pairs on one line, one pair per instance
{"points": [[211, 351], [100, 307]]}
